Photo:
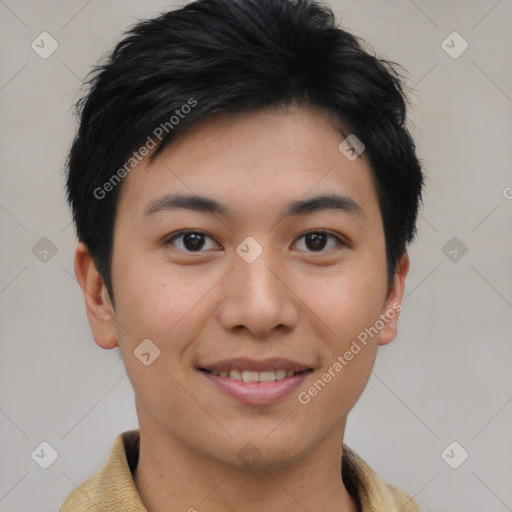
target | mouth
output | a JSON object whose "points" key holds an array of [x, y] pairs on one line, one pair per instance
{"points": [[254, 376], [256, 382]]}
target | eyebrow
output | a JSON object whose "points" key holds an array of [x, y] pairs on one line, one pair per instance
{"points": [[207, 205]]}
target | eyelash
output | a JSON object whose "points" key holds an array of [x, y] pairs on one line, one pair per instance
{"points": [[339, 242]]}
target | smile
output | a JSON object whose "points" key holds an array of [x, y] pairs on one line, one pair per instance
{"points": [[249, 376], [256, 382]]}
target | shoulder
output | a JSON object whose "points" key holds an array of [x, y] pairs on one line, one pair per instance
{"points": [[373, 493], [112, 488], [82, 498]]}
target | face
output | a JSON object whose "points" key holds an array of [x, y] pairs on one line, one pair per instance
{"points": [[260, 282]]}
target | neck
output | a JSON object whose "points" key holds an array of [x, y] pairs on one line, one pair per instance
{"points": [[169, 473]]}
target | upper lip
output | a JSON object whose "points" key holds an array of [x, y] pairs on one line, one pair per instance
{"points": [[255, 365]]}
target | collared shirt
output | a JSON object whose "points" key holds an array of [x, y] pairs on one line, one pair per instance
{"points": [[112, 489]]}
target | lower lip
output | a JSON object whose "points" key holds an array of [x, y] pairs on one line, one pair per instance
{"points": [[258, 392]]}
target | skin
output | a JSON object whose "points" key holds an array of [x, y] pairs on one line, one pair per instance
{"points": [[199, 307]]}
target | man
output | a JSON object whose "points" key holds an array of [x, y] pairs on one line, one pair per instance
{"points": [[244, 190]]}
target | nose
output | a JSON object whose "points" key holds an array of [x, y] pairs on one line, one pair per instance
{"points": [[257, 297]]}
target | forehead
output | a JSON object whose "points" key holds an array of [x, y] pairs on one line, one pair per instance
{"points": [[251, 160]]}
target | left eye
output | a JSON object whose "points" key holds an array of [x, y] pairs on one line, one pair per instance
{"points": [[316, 241]]}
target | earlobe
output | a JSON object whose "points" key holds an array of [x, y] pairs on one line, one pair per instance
{"points": [[393, 304], [100, 313]]}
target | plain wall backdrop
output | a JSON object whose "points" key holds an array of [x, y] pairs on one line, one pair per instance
{"points": [[446, 378]]}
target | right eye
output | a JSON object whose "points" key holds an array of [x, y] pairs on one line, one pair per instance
{"points": [[190, 240]]}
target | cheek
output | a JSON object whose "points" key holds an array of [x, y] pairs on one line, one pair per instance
{"points": [[153, 304], [347, 301], [150, 298], [164, 304], [348, 307]]}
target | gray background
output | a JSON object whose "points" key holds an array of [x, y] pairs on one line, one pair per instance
{"points": [[447, 377]]}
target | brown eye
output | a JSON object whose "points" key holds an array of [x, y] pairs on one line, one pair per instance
{"points": [[191, 241], [317, 241]]}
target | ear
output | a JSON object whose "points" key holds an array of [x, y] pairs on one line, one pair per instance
{"points": [[393, 305], [100, 311]]}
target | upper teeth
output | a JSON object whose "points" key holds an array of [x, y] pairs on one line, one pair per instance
{"points": [[248, 376]]}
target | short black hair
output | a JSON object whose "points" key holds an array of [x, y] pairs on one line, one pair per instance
{"points": [[214, 56]]}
